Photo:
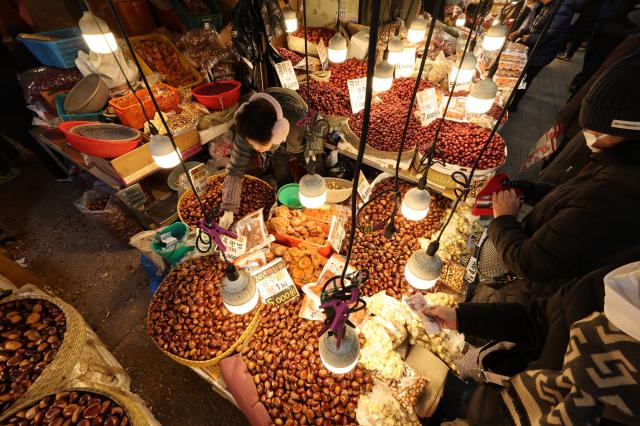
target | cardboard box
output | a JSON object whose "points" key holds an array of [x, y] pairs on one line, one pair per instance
{"points": [[425, 363], [135, 165]]}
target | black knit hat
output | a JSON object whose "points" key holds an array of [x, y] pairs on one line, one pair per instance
{"points": [[612, 105]]}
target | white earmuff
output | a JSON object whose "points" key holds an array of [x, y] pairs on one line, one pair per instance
{"points": [[280, 129]]}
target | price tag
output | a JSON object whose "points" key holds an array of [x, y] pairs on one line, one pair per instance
{"points": [[274, 283], [427, 106], [523, 83], [357, 89], [322, 54], [310, 310], [235, 247], [364, 188], [287, 75], [460, 87], [336, 233], [407, 63], [199, 177]]}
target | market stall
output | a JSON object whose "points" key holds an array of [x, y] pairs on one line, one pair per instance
{"points": [[309, 309]]}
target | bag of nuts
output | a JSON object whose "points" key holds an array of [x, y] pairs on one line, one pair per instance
{"points": [[58, 346], [380, 408]]}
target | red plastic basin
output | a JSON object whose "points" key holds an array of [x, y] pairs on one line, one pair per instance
{"points": [[218, 101], [96, 147]]}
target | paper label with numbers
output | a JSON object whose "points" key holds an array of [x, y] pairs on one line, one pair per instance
{"points": [[322, 54], [460, 87], [287, 75], [310, 310], [336, 233], [523, 83], [357, 90], [364, 188], [274, 283], [199, 177], [407, 64], [427, 106], [234, 247]]}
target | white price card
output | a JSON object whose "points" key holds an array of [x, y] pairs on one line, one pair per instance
{"points": [[322, 54], [310, 310], [357, 90], [460, 87], [234, 247], [364, 188], [287, 75], [407, 63], [427, 106], [199, 177], [336, 233], [274, 283], [523, 83]]}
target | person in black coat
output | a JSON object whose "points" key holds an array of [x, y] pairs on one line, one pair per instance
{"points": [[576, 226], [539, 328], [551, 43], [525, 18], [581, 30]]}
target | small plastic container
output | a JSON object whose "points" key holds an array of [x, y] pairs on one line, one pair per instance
{"points": [[218, 101], [289, 195], [174, 253], [60, 53]]}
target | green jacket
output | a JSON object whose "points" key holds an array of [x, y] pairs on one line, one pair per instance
{"points": [[294, 109]]}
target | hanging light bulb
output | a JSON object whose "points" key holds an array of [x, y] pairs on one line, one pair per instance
{"points": [[97, 34], [415, 204], [464, 71], [494, 38], [461, 20], [482, 96], [417, 30], [396, 48], [337, 51], [290, 18], [238, 291], [423, 269], [383, 74], [343, 359], [312, 191], [162, 152]]}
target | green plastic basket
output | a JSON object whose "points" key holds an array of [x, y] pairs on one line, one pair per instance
{"points": [[173, 254], [289, 196]]}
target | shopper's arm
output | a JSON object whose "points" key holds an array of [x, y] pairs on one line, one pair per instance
{"points": [[238, 163], [512, 322], [557, 27]]}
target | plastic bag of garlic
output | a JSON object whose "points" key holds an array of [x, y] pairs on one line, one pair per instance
{"points": [[380, 408]]}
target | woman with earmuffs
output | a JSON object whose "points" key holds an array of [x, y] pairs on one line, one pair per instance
{"points": [[267, 125]]}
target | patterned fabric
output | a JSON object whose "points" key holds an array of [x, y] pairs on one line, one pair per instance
{"points": [[600, 368]]}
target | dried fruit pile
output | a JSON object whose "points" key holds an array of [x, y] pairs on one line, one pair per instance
{"points": [[31, 333], [283, 359], [256, 194], [163, 59], [303, 262], [314, 34], [460, 143], [72, 408], [290, 55], [385, 259], [186, 315], [295, 223]]}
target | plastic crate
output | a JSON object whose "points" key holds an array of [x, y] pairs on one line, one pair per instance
{"points": [[94, 116], [130, 113], [60, 53], [193, 22]]}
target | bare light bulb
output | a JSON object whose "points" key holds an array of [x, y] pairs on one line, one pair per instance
{"points": [[464, 71], [343, 359], [482, 96], [417, 30], [461, 20], [383, 76], [337, 51], [312, 191], [415, 204], [396, 48], [162, 152], [494, 38], [238, 291], [97, 34], [290, 19], [423, 270]]}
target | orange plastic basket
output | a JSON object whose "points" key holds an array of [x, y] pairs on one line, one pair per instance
{"points": [[129, 111]]}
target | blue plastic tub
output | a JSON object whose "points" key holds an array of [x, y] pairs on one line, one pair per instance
{"points": [[94, 116], [60, 53]]}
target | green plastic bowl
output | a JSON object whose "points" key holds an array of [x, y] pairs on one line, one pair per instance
{"points": [[289, 196], [173, 254]]}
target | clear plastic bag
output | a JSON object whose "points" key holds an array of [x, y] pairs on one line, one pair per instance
{"points": [[380, 408], [112, 215], [42, 79], [252, 227]]}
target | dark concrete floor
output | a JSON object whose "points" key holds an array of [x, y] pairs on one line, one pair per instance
{"points": [[103, 279]]}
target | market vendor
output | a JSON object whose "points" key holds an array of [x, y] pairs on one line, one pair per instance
{"points": [[579, 225], [266, 125]]}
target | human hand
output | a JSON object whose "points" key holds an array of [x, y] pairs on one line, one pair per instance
{"points": [[226, 220], [514, 35], [445, 316], [505, 203], [525, 37]]}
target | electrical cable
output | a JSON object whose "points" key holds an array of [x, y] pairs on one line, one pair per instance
{"points": [[371, 63], [123, 31]]}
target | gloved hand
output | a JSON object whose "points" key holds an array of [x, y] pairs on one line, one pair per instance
{"points": [[226, 220], [527, 188]]}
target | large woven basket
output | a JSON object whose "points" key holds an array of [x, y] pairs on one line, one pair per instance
{"points": [[135, 410], [354, 140], [59, 370]]}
